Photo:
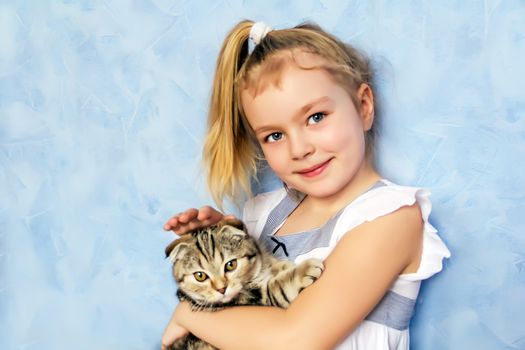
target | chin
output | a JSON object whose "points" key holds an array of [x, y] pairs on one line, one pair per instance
{"points": [[320, 191], [231, 295], [226, 299]]}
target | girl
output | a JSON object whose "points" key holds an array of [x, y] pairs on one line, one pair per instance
{"points": [[303, 100]]}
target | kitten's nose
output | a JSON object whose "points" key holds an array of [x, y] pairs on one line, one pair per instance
{"points": [[222, 290]]}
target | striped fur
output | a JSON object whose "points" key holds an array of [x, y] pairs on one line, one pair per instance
{"points": [[257, 279]]}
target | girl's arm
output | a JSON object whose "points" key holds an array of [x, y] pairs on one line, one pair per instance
{"points": [[357, 274]]}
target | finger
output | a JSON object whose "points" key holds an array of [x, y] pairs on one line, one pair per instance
{"points": [[230, 217], [170, 224], [193, 225], [175, 225], [188, 215], [197, 224], [206, 213]]}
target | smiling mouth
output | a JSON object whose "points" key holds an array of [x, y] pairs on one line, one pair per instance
{"points": [[315, 170]]}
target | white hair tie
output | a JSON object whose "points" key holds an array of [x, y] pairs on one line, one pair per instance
{"points": [[257, 33]]}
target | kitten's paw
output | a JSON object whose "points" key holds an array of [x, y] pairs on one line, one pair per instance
{"points": [[284, 288], [309, 271], [282, 265]]}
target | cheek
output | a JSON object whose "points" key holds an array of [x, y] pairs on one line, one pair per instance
{"points": [[179, 272], [189, 283], [275, 157], [243, 272], [347, 137]]}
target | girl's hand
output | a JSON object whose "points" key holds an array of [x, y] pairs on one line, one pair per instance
{"points": [[192, 219], [172, 333], [174, 330]]}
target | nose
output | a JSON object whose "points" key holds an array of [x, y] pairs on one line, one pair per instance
{"points": [[300, 146], [220, 284]]}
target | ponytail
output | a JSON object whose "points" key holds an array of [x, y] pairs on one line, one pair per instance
{"points": [[229, 151]]}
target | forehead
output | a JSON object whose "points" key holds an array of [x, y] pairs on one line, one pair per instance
{"points": [[297, 89], [270, 72]]}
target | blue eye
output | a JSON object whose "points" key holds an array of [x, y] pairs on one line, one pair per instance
{"points": [[316, 118], [273, 137]]}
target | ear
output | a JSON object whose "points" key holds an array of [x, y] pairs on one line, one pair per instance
{"points": [[365, 99], [238, 224], [175, 248], [234, 226]]}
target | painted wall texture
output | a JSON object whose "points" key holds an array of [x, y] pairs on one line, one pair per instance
{"points": [[102, 117]]}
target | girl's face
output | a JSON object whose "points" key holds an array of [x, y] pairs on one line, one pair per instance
{"points": [[310, 131]]}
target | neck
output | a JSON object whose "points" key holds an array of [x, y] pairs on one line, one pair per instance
{"points": [[202, 305]]}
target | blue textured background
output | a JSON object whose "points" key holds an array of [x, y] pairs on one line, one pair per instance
{"points": [[102, 117]]}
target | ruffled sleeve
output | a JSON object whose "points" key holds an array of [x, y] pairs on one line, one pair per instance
{"points": [[434, 249], [385, 200]]}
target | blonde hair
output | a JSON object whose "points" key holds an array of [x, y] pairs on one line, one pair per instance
{"points": [[231, 152]]}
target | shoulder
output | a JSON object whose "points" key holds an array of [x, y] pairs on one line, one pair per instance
{"points": [[388, 219], [388, 198], [385, 200], [398, 232], [404, 226]]}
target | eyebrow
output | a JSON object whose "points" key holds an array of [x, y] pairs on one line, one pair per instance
{"points": [[303, 110]]}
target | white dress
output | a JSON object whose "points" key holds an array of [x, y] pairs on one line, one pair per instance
{"points": [[386, 327]]}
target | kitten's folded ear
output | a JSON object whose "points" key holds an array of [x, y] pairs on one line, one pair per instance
{"points": [[233, 227], [238, 224], [175, 248]]}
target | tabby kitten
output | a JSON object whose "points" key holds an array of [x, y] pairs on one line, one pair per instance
{"points": [[221, 266]]}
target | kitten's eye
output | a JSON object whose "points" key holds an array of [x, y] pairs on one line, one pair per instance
{"points": [[200, 276], [230, 265], [315, 118]]}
